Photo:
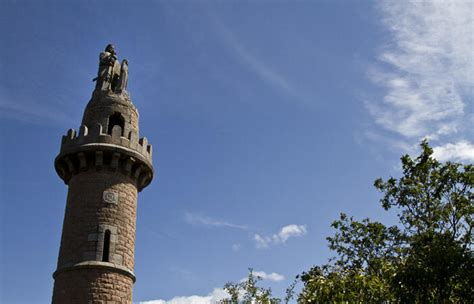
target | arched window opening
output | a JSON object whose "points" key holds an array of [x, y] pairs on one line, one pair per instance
{"points": [[114, 120], [105, 256]]}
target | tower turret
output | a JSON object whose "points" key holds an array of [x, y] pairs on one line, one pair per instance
{"points": [[105, 164]]}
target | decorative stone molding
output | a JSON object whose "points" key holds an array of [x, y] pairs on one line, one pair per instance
{"points": [[110, 197], [81, 155], [97, 265]]}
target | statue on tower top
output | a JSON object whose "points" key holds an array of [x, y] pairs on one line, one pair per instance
{"points": [[111, 76]]}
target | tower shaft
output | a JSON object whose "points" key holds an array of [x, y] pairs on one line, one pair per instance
{"points": [[105, 165], [96, 257]]}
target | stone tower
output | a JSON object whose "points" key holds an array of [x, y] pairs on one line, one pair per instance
{"points": [[105, 165]]}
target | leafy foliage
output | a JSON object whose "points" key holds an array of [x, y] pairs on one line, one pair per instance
{"points": [[427, 258], [435, 269], [432, 196], [247, 292]]}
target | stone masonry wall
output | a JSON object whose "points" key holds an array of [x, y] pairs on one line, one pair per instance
{"points": [[104, 166], [101, 107], [93, 286], [88, 216]]}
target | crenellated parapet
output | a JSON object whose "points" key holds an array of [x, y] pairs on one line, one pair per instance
{"points": [[95, 134], [93, 149]]}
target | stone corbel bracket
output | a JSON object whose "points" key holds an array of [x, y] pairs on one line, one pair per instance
{"points": [[92, 149]]}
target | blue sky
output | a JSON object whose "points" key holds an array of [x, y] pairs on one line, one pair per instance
{"points": [[267, 119]]}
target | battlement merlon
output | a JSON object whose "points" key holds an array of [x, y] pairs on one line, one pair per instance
{"points": [[73, 140], [92, 148]]}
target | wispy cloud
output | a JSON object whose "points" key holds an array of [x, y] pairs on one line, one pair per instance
{"points": [[460, 151], [274, 277], [17, 108], [426, 70], [236, 247], [217, 294], [262, 69], [282, 236], [214, 297], [201, 220]]}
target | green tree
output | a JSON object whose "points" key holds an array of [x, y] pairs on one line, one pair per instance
{"points": [[247, 292], [361, 270], [427, 258]]}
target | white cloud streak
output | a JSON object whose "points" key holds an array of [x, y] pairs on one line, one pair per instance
{"points": [[263, 70], [274, 277], [29, 111], [460, 151], [201, 220], [427, 71], [282, 236], [236, 247], [216, 295]]}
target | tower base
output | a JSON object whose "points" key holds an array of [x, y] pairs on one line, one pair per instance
{"points": [[93, 282]]}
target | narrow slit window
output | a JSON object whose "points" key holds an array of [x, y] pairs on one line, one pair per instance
{"points": [[105, 256]]}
